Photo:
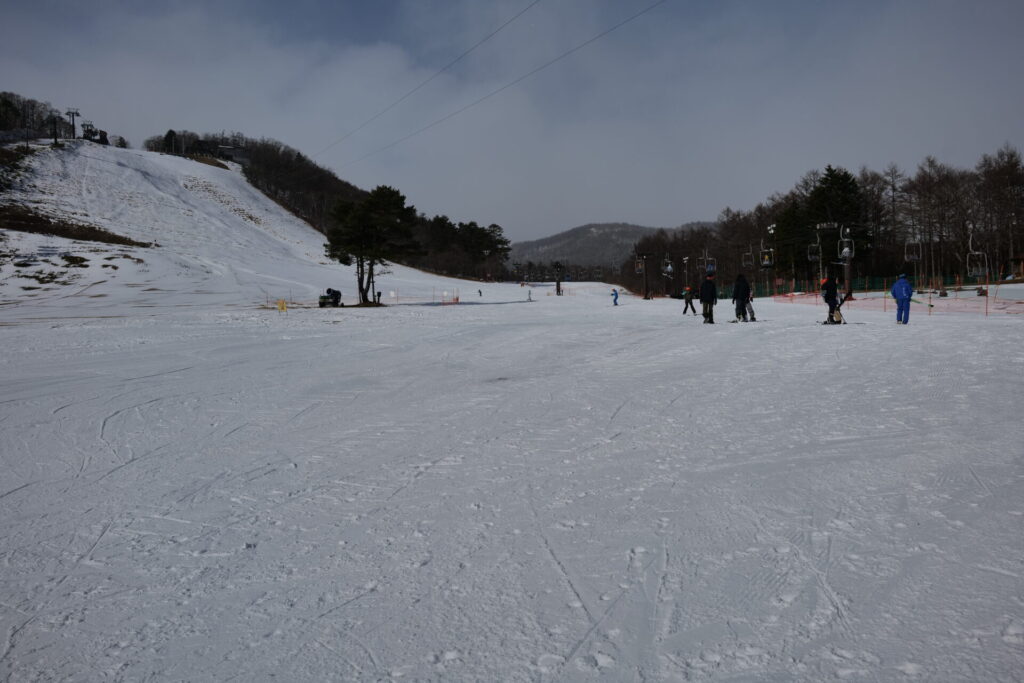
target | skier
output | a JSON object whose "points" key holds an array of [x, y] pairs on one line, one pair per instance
{"points": [[750, 308], [740, 297], [830, 293], [708, 298], [902, 291], [688, 298], [615, 297]]}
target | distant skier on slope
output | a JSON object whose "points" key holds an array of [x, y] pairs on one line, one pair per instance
{"points": [[688, 298], [615, 297], [708, 298], [902, 291], [740, 297]]}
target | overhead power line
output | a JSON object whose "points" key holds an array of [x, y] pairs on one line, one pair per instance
{"points": [[440, 71], [508, 85]]}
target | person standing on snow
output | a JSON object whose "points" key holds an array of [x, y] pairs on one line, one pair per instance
{"points": [[708, 298], [740, 297], [615, 297], [830, 293], [902, 291], [688, 298]]}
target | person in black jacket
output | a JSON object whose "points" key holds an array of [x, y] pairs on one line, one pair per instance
{"points": [[830, 293], [740, 297], [708, 298]]}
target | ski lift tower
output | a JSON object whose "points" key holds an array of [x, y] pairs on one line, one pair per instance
{"points": [[72, 112], [766, 259], [814, 250], [846, 250], [641, 267], [54, 115]]}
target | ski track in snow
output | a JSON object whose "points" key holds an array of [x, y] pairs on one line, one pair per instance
{"points": [[195, 487]]}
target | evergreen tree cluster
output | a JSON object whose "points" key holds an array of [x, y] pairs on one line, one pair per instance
{"points": [[466, 250], [374, 231]]}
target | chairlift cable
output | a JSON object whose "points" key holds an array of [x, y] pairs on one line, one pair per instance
{"points": [[508, 85], [440, 71]]}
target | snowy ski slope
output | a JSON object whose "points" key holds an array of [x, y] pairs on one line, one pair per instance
{"points": [[194, 487], [222, 242]]}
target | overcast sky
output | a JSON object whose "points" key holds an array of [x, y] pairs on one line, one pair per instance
{"points": [[687, 109]]}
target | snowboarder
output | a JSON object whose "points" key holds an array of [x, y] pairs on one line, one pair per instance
{"points": [[688, 298], [615, 297], [740, 297], [830, 293], [708, 298], [902, 291]]}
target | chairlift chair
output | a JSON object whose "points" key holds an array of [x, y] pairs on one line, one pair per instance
{"points": [[977, 261], [912, 252], [747, 259], [814, 252], [706, 264], [977, 264], [845, 249], [639, 266], [767, 258]]}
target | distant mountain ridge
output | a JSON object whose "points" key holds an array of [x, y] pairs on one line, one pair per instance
{"points": [[593, 244]]}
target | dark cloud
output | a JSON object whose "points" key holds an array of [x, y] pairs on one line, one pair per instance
{"points": [[689, 109]]}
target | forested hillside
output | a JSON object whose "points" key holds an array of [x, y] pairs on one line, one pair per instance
{"points": [[941, 224], [318, 196]]}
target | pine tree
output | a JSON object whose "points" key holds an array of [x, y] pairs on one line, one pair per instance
{"points": [[370, 233]]}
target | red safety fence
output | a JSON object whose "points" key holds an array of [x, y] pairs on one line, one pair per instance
{"points": [[977, 301]]}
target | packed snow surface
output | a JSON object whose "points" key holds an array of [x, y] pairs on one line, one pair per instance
{"points": [[195, 486]]}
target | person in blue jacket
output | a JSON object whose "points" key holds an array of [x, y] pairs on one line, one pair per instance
{"points": [[615, 297], [902, 291]]}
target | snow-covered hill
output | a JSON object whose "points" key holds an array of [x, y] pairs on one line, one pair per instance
{"points": [[195, 487], [221, 241]]}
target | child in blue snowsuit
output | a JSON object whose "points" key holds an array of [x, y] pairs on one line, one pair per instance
{"points": [[615, 297], [902, 291]]}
